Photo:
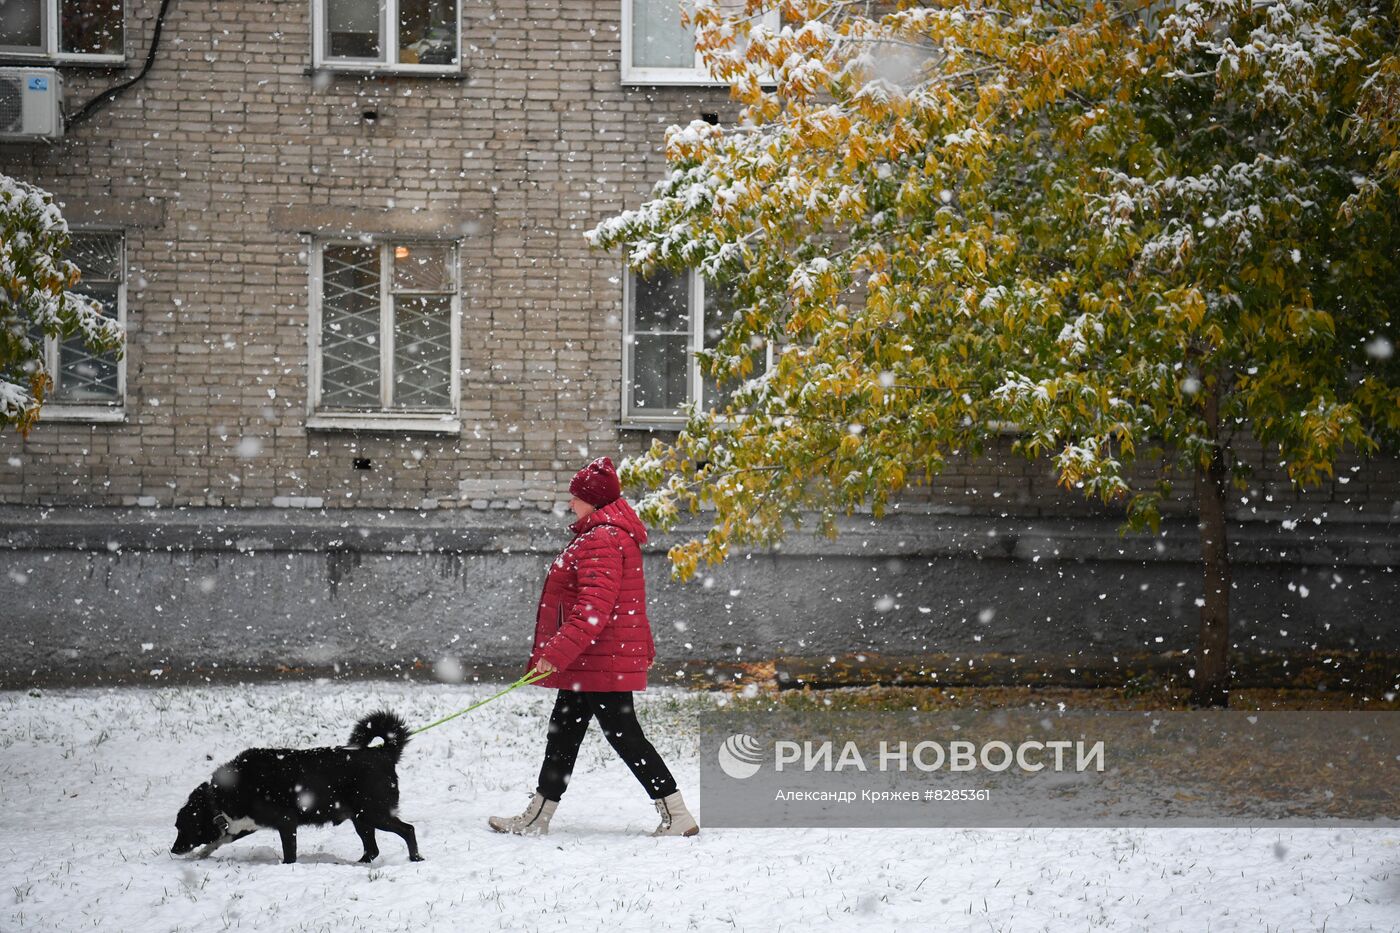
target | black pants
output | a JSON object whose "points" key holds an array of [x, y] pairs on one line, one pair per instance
{"points": [[568, 724]]}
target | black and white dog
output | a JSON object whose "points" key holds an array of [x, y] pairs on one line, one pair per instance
{"points": [[283, 788]]}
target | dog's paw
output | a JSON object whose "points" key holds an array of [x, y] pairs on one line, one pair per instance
{"points": [[367, 858], [416, 858]]}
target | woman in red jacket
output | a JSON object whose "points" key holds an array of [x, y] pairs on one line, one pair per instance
{"points": [[593, 639]]}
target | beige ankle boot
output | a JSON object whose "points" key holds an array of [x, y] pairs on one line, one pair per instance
{"points": [[533, 822], [675, 818]]}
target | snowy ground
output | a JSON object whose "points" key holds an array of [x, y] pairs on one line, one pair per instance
{"points": [[92, 780]]}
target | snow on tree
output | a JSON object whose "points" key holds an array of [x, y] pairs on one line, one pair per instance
{"points": [[1133, 230], [35, 300]]}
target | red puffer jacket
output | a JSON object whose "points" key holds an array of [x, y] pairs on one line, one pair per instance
{"points": [[592, 620]]}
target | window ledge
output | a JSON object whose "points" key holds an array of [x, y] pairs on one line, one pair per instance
{"points": [[439, 72], [680, 80], [696, 80], [40, 60], [387, 422], [654, 424], [678, 77], [93, 414]]}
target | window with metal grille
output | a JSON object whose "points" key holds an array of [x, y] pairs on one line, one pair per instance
{"points": [[88, 384], [77, 30], [669, 317], [385, 327]]}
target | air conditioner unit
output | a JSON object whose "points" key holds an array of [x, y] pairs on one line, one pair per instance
{"points": [[31, 103]]}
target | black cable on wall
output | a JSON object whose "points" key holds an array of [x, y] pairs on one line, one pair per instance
{"points": [[112, 93]]}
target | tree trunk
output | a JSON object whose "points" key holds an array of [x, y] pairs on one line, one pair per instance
{"points": [[1211, 686]]}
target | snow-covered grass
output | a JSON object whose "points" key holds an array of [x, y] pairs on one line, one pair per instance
{"points": [[92, 780]]}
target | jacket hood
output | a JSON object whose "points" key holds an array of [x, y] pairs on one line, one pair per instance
{"points": [[617, 513]]}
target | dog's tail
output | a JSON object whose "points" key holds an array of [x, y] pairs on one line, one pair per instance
{"points": [[381, 724]]}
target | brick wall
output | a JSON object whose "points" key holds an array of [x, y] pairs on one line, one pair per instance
{"points": [[230, 149]]}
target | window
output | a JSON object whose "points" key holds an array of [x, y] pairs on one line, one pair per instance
{"points": [[385, 335], [71, 30], [669, 317], [657, 49], [88, 386], [390, 35]]}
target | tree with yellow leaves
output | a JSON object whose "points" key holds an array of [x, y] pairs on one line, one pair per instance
{"points": [[36, 301], [1133, 230]]}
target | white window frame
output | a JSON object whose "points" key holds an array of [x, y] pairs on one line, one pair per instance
{"points": [[50, 22], [389, 36], [695, 378], [384, 419], [91, 412], [695, 75]]}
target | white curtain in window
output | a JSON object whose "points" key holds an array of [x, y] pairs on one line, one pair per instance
{"points": [[658, 38]]}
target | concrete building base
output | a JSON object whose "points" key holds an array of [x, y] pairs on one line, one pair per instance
{"points": [[141, 594]]}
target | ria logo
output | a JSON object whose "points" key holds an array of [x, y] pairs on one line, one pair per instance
{"points": [[740, 756]]}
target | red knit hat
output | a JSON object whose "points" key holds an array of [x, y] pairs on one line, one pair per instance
{"points": [[596, 483]]}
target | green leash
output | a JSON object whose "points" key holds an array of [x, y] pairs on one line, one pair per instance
{"points": [[530, 678]]}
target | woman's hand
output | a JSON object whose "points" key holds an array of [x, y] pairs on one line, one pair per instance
{"points": [[544, 667]]}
